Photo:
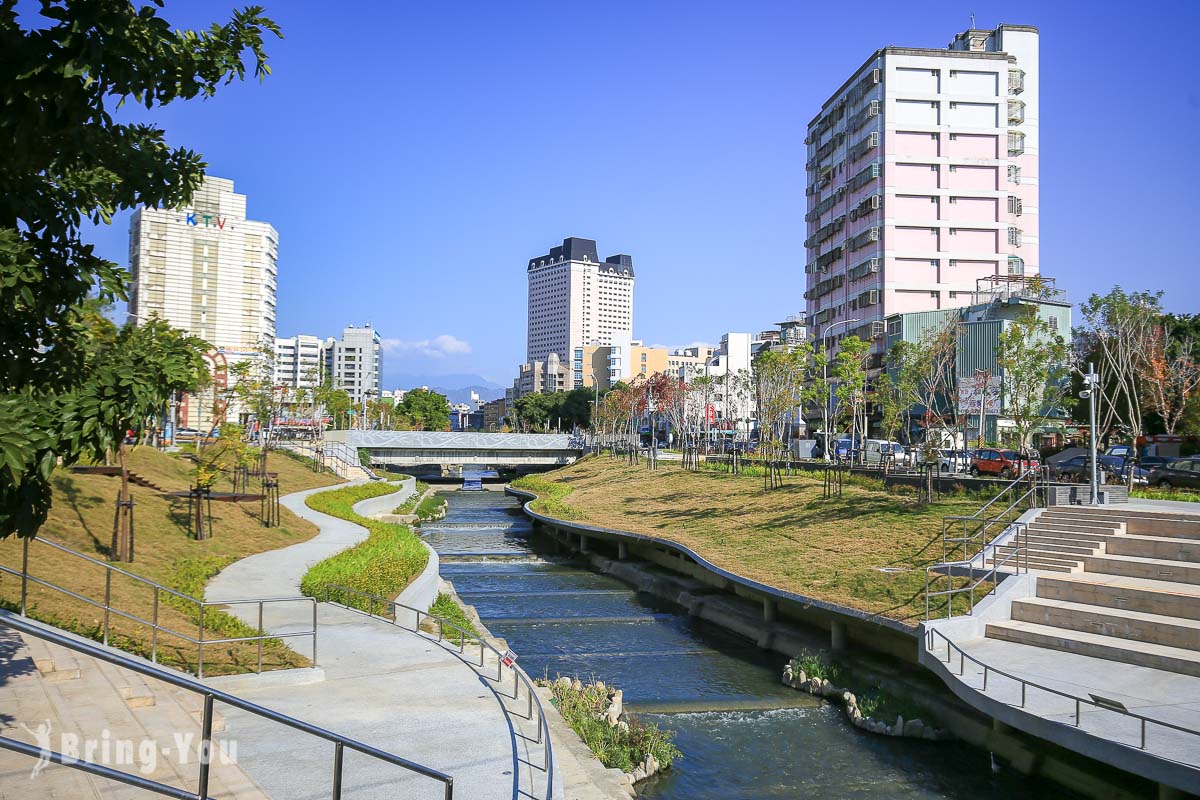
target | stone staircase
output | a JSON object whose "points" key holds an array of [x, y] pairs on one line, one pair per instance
{"points": [[1129, 592], [95, 701]]}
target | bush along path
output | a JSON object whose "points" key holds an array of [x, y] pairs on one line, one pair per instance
{"points": [[815, 674], [383, 564], [596, 713]]}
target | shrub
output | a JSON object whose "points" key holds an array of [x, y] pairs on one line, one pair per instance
{"points": [[432, 507], [816, 664], [445, 607], [408, 505], [383, 564], [583, 709]]}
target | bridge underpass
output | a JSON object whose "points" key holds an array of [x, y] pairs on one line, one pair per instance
{"points": [[445, 449]]}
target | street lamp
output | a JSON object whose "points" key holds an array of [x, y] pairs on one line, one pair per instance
{"points": [[825, 379], [1091, 382]]}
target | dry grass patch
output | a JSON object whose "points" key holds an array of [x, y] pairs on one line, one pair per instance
{"points": [[82, 517], [867, 549]]}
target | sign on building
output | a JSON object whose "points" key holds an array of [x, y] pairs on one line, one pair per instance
{"points": [[974, 389]]}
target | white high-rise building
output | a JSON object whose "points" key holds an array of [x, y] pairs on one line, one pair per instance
{"points": [[210, 271], [922, 179], [299, 362], [576, 299], [354, 362]]}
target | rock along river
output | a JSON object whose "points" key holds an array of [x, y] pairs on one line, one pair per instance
{"points": [[742, 733]]}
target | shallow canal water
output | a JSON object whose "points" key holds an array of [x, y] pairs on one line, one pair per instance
{"points": [[742, 733]]}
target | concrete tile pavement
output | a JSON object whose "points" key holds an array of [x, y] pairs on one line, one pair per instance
{"points": [[385, 686]]}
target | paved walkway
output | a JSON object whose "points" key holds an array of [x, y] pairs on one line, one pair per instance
{"points": [[387, 687]]}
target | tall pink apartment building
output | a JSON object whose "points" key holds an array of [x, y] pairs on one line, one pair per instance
{"points": [[923, 178]]}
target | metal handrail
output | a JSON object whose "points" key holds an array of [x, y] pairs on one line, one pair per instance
{"points": [[933, 572], [986, 523], [519, 676], [1079, 701], [159, 589], [211, 696]]}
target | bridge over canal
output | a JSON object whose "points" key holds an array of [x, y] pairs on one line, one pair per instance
{"points": [[417, 448]]}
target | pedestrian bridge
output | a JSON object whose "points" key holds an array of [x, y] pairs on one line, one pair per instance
{"points": [[414, 448]]}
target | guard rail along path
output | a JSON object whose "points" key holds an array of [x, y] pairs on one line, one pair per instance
{"points": [[1140, 725], [106, 605], [389, 613], [211, 697]]}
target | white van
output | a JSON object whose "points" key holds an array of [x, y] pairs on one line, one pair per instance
{"points": [[874, 451]]}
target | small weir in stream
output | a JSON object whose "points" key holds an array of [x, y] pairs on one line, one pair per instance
{"points": [[742, 733]]}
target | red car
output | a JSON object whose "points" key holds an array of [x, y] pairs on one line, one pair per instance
{"points": [[1003, 463]]}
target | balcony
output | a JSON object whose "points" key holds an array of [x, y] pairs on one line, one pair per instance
{"points": [[866, 206], [864, 146], [860, 271], [864, 176], [1014, 205], [1016, 265], [1014, 174], [1016, 112], [862, 117], [863, 239], [1016, 81], [1016, 143]]}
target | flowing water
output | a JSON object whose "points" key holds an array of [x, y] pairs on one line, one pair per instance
{"points": [[742, 733]]}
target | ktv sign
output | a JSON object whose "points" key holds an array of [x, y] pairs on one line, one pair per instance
{"points": [[206, 220]]}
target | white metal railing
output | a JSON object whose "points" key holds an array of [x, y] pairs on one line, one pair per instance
{"points": [[533, 702], [159, 592], [1099, 703], [1016, 559], [211, 697]]}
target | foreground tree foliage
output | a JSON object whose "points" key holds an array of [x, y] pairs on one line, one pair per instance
{"points": [[66, 160]]}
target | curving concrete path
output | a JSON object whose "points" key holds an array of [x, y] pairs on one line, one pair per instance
{"points": [[382, 685]]}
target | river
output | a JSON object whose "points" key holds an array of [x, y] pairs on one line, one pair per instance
{"points": [[743, 734]]}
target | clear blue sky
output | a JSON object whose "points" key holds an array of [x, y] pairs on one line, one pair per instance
{"points": [[414, 155]]}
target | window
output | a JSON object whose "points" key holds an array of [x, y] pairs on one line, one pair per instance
{"points": [[1052, 321], [1014, 236]]}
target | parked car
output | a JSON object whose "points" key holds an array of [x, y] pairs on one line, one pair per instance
{"points": [[1153, 462], [186, 433], [1003, 463], [1184, 472], [1115, 469], [954, 461], [876, 450]]}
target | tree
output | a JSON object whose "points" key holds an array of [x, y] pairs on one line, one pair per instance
{"points": [[778, 381], [131, 376], [850, 373], [1114, 334], [65, 159], [1033, 358], [428, 410], [1170, 374]]}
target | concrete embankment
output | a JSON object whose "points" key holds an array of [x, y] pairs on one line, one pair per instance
{"points": [[875, 649]]}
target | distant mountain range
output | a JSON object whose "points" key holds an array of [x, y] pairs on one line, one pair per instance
{"points": [[456, 387]]}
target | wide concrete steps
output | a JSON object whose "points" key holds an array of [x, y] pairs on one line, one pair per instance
{"points": [[1067, 547], [1123, 592], [135, 724], [1136, 522], [1142, 654], [1075, 535], [1165, 548], [1120, 623], [1058, 523], [1149, 568], [1043, 563]]}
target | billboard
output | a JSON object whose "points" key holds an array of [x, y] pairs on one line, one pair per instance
{"points": [[975, 388]]}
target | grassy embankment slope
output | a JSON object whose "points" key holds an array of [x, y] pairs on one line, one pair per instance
{"points": [[82, 518], [792, 538]]}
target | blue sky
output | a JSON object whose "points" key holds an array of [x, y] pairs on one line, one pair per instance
{"points": [[414, 155]]}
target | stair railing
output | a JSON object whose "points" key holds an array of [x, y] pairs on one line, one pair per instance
{"points": [[206, 749], [160, 593], [969, 543]]}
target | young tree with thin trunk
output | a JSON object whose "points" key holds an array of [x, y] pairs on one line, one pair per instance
{"points": [[1115, 332], [850, 374], [1033, 359], [1170, 375]]}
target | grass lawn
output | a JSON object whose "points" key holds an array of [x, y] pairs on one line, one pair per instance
{"points": [[82, 517], [833, 550]]}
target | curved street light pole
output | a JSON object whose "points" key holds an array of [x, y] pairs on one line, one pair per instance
{"points": [[825, 379]]}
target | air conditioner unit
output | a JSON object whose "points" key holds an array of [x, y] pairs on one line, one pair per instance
{"points": [[876, 328], [876, 201]]}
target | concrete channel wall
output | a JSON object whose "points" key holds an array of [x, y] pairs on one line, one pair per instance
{"points": [[386, 502], [776, 619], [846, 625]]}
